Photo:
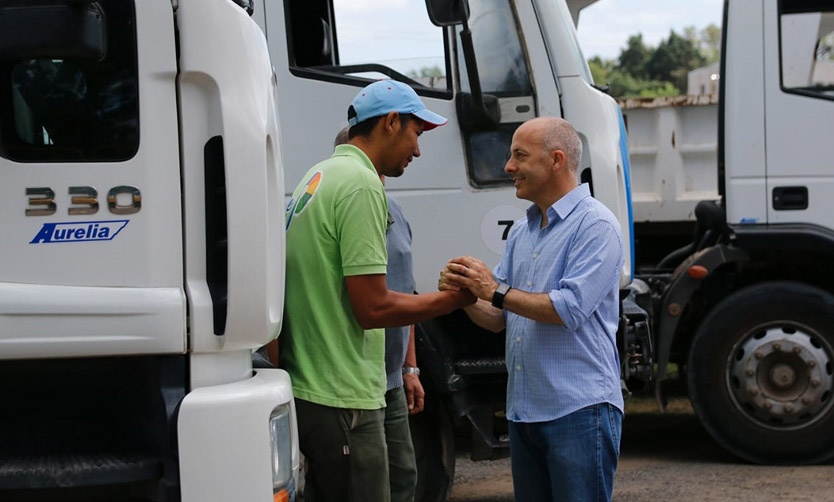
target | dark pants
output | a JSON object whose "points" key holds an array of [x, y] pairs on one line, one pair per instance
{"points": [[402, 465], [571, 459], [345, 453]]}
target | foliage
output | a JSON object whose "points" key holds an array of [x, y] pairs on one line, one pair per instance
{"points": [[622, 84], [673, 59], [644, 71], [634, 57], [426, 71]]}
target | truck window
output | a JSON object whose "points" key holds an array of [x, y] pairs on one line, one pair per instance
{"points": [[504, 73], [352, 42], [59, 110], [371, 39], [807, 50]]}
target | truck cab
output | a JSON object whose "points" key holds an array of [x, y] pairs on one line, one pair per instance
{"points": [[142, 254]]}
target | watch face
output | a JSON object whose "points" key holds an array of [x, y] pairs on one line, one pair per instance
{"points": [[498, 296]]}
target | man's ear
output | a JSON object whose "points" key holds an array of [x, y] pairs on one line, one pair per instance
{"points": [[392, 121], [557, 157]]}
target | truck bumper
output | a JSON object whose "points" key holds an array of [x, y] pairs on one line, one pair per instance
{"points": [[225, 447]]}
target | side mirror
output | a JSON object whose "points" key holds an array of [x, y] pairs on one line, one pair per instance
{"points": [[57, 29], [447, 12], [475, 113]]}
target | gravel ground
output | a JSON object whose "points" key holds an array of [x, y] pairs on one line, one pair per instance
{"points": [[668, 457]]}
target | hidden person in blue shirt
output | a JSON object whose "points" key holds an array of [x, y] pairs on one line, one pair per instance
{"points": [[555, 291]]}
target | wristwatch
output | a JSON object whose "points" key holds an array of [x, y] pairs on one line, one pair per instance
{"points": [[498, 296], [409, 369]]}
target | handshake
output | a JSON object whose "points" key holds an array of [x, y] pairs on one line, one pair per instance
{"points": [[467, 273]]}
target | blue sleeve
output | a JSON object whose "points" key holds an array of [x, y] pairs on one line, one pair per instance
{"points": [[592, 269]]}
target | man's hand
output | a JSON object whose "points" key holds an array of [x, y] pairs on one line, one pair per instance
{"points": [[414, 393], [465, 272]]}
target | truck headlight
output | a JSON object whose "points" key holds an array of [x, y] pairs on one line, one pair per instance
{"points": [[280, 437]]}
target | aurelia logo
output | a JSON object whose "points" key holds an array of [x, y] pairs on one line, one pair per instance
{"points": [[79, 231]]}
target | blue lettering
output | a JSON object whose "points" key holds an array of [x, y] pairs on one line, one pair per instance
{"points": [[45, 234], [84, 231]]}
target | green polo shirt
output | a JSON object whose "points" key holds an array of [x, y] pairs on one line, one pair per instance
{"points": [[336, 224]]}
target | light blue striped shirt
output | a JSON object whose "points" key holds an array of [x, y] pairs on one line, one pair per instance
{"points": [[554, 369]]}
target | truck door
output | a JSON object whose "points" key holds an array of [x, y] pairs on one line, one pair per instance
{"points": [[457, 195], [799, 111], [90, 193]]}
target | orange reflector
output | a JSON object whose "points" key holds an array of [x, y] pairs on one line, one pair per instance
{"points": [[698, 272], [281, 496]]}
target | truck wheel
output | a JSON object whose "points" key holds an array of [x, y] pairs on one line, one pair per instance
{"points": [[761, 373], [434, 447]]}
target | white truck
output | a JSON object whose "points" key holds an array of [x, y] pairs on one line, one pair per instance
{"points": [[746, 310], [673, 144], [141, 210]]}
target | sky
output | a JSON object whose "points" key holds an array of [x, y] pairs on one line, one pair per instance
{"points": [[605, 26], [603, 29]]}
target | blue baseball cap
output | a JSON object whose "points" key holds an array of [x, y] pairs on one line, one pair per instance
{"points": [[386, 96]]}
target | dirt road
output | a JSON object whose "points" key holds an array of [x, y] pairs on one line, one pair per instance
{"points": [[669, 457]]}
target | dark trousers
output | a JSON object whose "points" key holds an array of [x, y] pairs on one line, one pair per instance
{"points": [[402, 465], [345, 453]]}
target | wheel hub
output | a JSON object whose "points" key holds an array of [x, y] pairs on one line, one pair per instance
{"points": [[781, 377]]}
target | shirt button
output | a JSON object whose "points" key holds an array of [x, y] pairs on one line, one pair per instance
{"points": [[535, 255], [529, 283], [518, 367], [518, 338]]}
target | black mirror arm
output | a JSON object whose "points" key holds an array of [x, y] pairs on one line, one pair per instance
{"points": [[488, 116]]}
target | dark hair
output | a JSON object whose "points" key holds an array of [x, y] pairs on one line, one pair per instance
{"points": [[341, 137], [365, 127]]}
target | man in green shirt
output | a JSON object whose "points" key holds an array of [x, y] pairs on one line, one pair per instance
{"points": [[337, 302]]}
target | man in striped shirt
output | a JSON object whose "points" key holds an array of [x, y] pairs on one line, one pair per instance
{"points": [[556, 291]]}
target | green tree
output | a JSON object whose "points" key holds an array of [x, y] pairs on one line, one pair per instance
{"points": [[673, 59], [709, 43], [644, 71], [600, 69], [633, 58], [706, 40], [622, 85], [426, 72]]}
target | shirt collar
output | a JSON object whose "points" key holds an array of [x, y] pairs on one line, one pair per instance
{"points": [[347, 150], [562, 207]]}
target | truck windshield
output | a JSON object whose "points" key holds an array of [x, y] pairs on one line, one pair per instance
{"points": [[58, 110], [566, 24], [501, 60]]}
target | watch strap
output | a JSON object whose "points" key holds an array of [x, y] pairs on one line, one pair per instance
{"points": [[499, 295]]}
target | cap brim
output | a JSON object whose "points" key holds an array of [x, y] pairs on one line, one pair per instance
{"points": [[430, 119]]}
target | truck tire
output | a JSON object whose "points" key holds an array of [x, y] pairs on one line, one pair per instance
{"points": [[434, 447], [761, 373]]}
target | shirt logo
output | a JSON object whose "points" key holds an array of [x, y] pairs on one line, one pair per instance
{"points": [[81, 231], [297, 206]]}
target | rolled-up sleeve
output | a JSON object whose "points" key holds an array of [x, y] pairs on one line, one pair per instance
{"points": [[594, 258]]}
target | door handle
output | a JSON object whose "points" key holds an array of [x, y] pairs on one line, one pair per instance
{"points": [[790, 198]]}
